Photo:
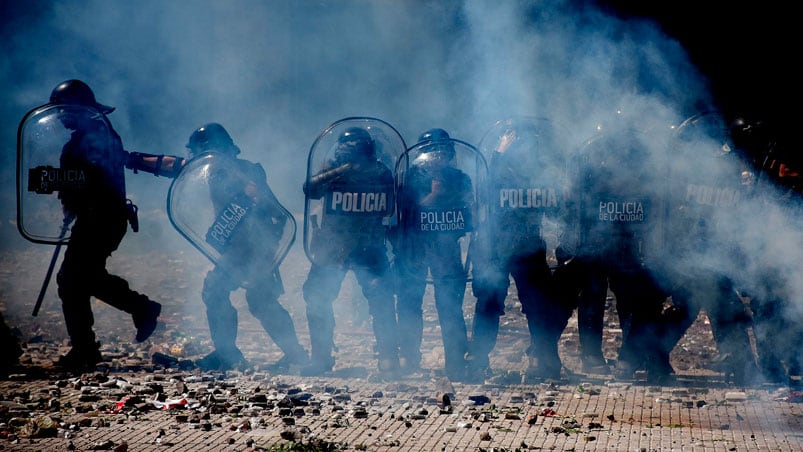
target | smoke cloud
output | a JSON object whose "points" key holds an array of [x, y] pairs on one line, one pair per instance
{"points": [[277, 73]]}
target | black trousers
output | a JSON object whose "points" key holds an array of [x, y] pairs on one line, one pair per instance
{"points": [[83, 275]]}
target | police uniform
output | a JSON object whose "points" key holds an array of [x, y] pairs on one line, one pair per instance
{"points": [[515, 247], [435, 212], [703, 195], [240, 265], [618, 218], [357, 193], [778, 327], [101, 220]]}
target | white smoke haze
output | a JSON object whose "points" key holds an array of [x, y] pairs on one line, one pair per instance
{"points": [[276, 73]]}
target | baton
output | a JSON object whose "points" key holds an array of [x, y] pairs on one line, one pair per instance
{"points": [[53, 260]]}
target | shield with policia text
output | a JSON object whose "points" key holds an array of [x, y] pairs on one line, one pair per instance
{"points": [[528, 184], [47, 177], [442, 195], [711, 183], [619, 177], [225, 208], [350, 199]]}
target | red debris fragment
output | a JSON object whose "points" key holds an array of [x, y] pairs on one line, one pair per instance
{"points": [[122, 403]]}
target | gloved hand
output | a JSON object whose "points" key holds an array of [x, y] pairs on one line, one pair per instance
{"points": [[562, 255]]}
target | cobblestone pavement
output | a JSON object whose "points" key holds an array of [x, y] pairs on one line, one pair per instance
{"points": [[260, 411], [132, 404]]}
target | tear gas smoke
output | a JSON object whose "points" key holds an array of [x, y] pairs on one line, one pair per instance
{"points": [[277, 73]]}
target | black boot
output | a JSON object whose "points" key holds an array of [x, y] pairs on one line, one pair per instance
{"points": [[145, 318], [81, 358], [220, 360], [295, 357], [318, 365], [10, 350]]}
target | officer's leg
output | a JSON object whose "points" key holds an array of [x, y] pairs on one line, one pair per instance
{"points": [[114, 290], [730, 321], [320, 291], [792, 356], [81, 274], [74, 288], [545, 317], [566, 294], [222, 319], [10, 349], [449, 283], [410, 286], [263, 303], [627, 300], [642, 343], [489, 285], [374, 279], [449, 294], [767, 303], [591, 313], [768, 321]]}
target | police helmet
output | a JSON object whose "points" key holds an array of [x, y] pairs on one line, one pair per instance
{"points": [[751, 136], [705, 134], [434, 135], [212, 137], [438, 135], [76, 92], [355, 143]]}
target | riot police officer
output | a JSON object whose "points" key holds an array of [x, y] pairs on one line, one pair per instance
{"points": [[528, 183], [240, 186], [778, 327], [354, 194], [101, 215], [618, 230], [249, 235], [435, 207], [708, 183]]}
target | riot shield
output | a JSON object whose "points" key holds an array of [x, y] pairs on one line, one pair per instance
{"points": [[224, 207], [443, 197], [350, 198], [619, 179], [709, 181], [528, 183], [50, 172]]}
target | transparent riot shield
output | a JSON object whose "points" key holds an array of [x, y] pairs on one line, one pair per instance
{"points": [[443, 196], [224, 207], [709, 184], [350, 198], [619, 177], [62, 152], [528, 183]]}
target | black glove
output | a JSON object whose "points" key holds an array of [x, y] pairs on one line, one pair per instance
{"points": [[562, 255]]}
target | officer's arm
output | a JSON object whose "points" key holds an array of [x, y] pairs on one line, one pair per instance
{"points": [[159, 165], [317, 184]]}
